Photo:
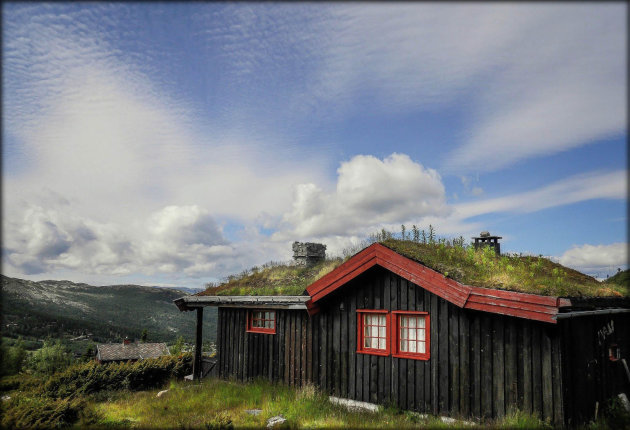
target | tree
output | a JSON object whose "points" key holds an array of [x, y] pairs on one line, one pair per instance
{"points": [[178, 347], [50, 358], [12, 357], [89, 353], [144, 335]]}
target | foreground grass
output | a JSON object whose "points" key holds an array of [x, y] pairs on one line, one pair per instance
{"points": [[222, 404]]}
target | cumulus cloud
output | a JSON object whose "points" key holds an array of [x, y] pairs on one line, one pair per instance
{"points": [[45, 239], [369, 192], [593, 257], [174, 239]]}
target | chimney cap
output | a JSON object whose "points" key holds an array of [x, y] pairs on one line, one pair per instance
{"points": [[486, 235]]}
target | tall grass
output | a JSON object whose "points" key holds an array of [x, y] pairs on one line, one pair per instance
{"points": [[218, 403]]}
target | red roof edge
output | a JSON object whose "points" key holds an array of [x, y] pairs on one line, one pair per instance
{"points": [[522, 305]]}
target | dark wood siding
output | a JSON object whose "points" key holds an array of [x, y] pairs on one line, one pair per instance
{"points": [[481, 364], [589, 376]]}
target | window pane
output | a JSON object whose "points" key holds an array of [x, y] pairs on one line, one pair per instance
{"points": [[412, 346], [381, 320], [421, 322], [412, 323], [421, 335], [381, 332], [381, 344], [421, 347]]}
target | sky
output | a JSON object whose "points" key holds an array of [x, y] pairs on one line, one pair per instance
{"points": [[174, 144]]}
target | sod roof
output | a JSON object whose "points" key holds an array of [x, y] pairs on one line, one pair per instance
{"points": [[479, 268]]}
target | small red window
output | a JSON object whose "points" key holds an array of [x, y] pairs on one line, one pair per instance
{"points": [[259, 321], [411, 335], [373, 332]]}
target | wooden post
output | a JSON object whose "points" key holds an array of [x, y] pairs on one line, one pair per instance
{"points": [[198, 345]]}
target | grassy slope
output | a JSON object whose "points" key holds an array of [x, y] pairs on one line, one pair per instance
{"points": [[528, 274], [218, 403]]}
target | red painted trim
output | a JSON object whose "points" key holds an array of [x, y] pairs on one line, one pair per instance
{"points": [[396, 331], [251, 329], [522, 305], [373, 351]]}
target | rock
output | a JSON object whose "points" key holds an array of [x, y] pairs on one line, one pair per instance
{"points": [[6, 398], [624, 401], [161, 393], [278, 420], [354, 404], [253, 411]]}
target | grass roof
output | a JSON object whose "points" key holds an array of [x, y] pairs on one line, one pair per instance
{"points": [[526, 274], [273, 280], [480, 268], [620, 278]]}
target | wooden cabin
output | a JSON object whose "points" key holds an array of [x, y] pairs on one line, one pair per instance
{"points": [[386, 329]]}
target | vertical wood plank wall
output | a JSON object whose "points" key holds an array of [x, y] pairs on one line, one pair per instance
{"points": [[481, 364], [590, 376]]}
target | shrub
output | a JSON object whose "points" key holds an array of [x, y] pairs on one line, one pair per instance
{"points": [[50, 358], [92, 377], [12, 358], [38, 412]]}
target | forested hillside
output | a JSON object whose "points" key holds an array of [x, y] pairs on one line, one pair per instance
{"points": [[64, 309]]}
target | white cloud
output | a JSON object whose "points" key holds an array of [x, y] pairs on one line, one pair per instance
{"points": [[593, 185], [369, 193], [593, 257], [534, 79]]}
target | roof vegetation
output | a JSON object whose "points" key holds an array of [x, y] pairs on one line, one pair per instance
{"points": [[526, 274], [272, 279], [622, 277], [451, 257]]}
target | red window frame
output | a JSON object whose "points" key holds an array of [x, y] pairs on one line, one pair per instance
{"points": [[360, 332], [395, 336], [250, 321]]}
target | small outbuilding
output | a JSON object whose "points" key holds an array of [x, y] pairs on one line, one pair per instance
{"points": [[129, 351], [417, 326]]}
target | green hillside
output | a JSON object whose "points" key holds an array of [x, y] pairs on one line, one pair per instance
{"points": [[620, 278], [63, 309]]}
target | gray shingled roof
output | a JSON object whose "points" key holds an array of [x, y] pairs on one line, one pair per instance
{"points": [[133, 351]]}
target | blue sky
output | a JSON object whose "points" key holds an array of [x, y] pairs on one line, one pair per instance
{"points": [[177, 143]]}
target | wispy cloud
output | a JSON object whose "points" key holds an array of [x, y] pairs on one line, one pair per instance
{"points": [[594, 185], [532, 79]]}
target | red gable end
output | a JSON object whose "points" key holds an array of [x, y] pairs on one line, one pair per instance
{"points": [[530, 306]]}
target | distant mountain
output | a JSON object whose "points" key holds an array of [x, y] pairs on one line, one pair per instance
{"points": [[186, 290], [108, 313]]}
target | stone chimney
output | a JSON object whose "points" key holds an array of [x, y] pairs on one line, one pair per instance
{"points": [[126, 341], [486, 239], [308, 253]]}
